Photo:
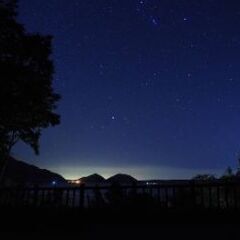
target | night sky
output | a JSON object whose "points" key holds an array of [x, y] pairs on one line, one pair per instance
{"points": [[148, 87]]}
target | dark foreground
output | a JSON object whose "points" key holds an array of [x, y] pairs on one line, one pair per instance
{"points": [[121, 223], [188, 210]]}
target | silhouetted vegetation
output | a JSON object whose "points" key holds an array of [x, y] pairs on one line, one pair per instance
{"points": [[27, 98], [228, 174], [204, 177]]}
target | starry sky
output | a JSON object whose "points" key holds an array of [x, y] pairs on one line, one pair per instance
{"points": [[149, 87]]}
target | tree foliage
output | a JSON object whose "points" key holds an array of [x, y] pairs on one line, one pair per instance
{"points": [[27, 98], [204, 177]]}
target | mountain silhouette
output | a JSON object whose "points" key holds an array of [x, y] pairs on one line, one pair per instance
{"points": [[19, 173], [93, 179], [122, 179]]}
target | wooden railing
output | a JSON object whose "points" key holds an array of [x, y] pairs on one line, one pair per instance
{"points": [[187, 195]]}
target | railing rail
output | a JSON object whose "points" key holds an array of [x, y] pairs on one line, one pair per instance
{"points": [[190, 195]]}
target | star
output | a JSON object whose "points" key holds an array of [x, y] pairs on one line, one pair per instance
{"points": [[154, 21]]}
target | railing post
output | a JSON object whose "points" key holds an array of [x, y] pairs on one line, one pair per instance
{"points": [[226, 195], [210, 196], [42, 201], [193, 192], [82, 196], [67, 197], [235, 195], [202, 196], [174, 197], [158, 194], [73, 197], [134, 190], [166, 196], [218, 197], [35, 196]]}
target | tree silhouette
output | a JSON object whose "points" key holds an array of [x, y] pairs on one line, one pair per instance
{"points": [[204, 177], [27, 98]]}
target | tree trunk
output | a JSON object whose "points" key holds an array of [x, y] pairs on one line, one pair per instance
{"points": [[4, 158], [5, 151]]}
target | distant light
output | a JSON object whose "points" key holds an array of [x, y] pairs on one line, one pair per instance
{"points": [[54, 183], [151, 183], [77, 182], [154, 21]]}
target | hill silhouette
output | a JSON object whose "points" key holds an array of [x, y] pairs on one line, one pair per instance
{"points": [[19, 173], [122, 179], [94, 178]]}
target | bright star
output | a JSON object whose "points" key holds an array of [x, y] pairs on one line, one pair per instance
{"points": [[154, 21]]}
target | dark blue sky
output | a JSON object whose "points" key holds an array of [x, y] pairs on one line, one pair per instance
{"points": [[148, 87]]}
